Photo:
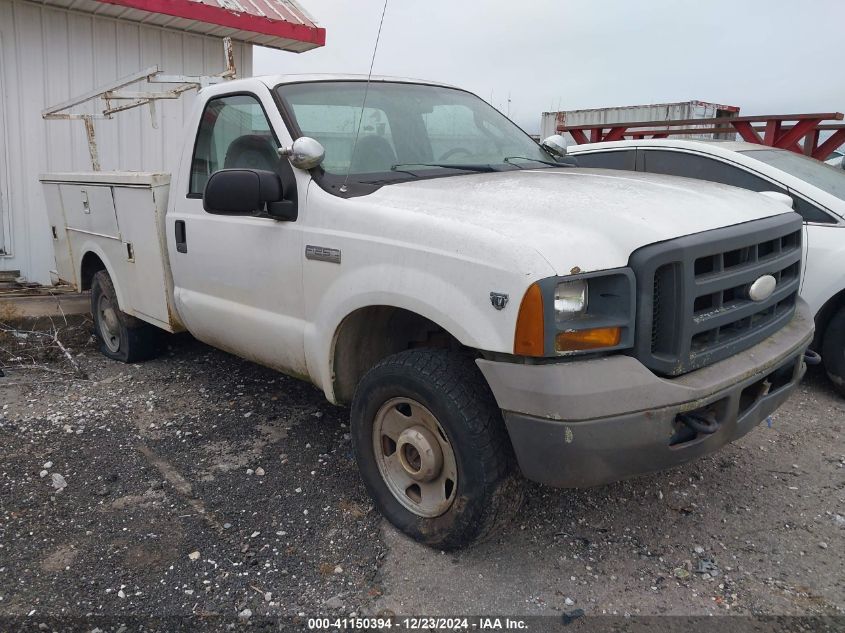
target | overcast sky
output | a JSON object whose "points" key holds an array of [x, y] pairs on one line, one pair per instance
{"points": [[766, 56]]}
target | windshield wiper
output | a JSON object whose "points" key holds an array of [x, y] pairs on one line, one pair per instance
{"points": [[464, 167], [570, 162]]}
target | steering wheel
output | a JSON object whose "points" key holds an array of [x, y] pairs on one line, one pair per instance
{"points": [[453, 151]]}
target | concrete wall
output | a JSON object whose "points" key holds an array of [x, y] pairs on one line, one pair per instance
{"points": [[48, 55]]}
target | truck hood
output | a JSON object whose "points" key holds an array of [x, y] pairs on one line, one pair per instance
{"points": [[589, 219]]}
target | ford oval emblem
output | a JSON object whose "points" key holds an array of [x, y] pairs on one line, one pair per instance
{"points": [[762, 288]]}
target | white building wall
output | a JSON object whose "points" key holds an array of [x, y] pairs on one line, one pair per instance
{"points": [[49, 55]]}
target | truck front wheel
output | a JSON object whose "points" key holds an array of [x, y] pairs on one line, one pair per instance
{"points": [[432, 448], [122, 337], [833, 350]]}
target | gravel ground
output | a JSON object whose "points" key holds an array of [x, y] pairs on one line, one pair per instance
{"points": [[203, 484]]}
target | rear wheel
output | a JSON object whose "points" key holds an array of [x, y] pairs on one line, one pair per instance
{"points": [[122, 337], [833, 350], [433, 449]]}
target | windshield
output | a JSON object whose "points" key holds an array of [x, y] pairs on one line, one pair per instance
{"points": [[825, 177], [407, 131]]}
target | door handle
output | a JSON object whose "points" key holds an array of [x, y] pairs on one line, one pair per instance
{"points": [[181, 237]]}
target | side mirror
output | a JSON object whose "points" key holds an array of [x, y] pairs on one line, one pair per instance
{"points": [[305, 153], [254, 192], [554, 145]]}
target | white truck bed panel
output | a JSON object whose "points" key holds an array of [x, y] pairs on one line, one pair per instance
{"points": [[61, 245], [89, 209], [120, 217]]}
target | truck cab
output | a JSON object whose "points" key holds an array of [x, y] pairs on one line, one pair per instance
{"points": [[484, 309]]}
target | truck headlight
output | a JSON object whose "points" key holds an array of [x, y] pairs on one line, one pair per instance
{"points": [[570, 299], [584, 313]]}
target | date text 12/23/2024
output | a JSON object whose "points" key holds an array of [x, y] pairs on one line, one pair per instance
{"points": [[419, 623]]}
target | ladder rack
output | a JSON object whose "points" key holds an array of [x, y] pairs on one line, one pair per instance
{"points": [[128, 100]]}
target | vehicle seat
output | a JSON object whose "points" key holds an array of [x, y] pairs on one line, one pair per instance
{"points": [[373, 153], [252, 151]]}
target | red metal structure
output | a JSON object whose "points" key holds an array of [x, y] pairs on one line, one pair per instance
{"points": [[786, 131], [282, 24]]}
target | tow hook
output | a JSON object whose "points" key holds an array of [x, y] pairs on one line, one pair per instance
{"points": [[812, 358], [703, 422]]}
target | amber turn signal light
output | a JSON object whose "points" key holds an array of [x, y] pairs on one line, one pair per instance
{"points": [[593, 338], [530, 330]]}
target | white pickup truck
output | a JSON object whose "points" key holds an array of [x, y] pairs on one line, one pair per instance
{"points": [[482, 307]]}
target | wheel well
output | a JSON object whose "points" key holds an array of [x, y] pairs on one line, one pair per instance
{"points": [[824, 315], [370, 334], [91, 265]]}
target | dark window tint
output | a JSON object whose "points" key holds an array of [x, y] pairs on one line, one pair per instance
{"points": [[702, 168], [810, 212], [234, 132], [825, 177], [623, 159]]}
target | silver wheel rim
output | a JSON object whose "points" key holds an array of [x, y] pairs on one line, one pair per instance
{"points": [[109, 325], [414, 457]]}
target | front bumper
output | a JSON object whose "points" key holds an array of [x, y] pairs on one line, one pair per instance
{"points": [[585, 423]]}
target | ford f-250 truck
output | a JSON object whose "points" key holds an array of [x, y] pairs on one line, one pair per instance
{"points": [[484, 309]]}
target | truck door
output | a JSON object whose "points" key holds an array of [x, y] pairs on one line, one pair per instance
{"points": [[237, 279]]}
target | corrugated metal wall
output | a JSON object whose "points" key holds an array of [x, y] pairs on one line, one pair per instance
{"points": [[49, 55], [630, 114]]}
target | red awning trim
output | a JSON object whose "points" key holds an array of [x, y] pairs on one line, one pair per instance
{"points": [[259, 16]]}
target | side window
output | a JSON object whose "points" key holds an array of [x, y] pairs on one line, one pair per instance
{"points": [[702, 168], [809, 211], [233, 132], [621, 159]]}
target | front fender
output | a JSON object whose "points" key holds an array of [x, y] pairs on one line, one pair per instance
{"points": [[460, 304], [825, 263]]}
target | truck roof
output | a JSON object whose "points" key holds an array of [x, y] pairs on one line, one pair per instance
{"points": [[274, 80]]}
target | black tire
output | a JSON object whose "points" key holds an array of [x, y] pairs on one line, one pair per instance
{"points": [[133, 340], [450, 385], [833, 350]]}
